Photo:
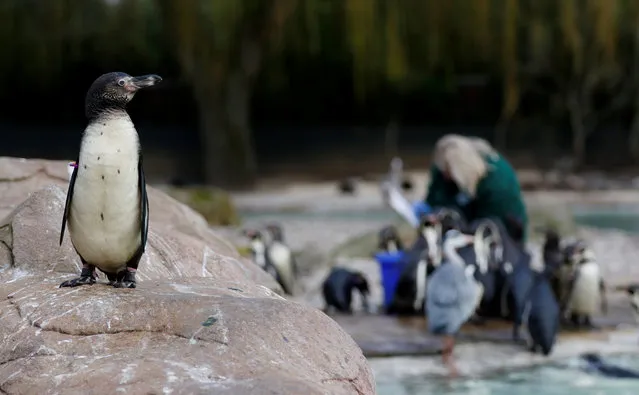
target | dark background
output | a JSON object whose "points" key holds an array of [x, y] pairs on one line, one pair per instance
{"points": [[329, 81]]}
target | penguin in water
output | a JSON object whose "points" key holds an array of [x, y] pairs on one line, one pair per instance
{"points": [[388, 240], [107, 207], [453, 294], [586, 292], [595, 364], [541, 315], [338, 288], [281, 257]]}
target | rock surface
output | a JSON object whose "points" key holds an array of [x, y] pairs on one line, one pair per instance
{"points": [[202, 320]]}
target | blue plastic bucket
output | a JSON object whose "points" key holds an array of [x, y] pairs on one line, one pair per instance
{"points": [[390, 265]]}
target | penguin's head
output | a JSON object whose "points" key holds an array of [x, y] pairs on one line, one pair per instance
{"points": [[388, 233], [359, 281], [252, 234], [552, 238], [112, 91], [276, 232]]}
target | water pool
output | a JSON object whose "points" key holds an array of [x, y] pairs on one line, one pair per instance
{"points": [[558, 378]]}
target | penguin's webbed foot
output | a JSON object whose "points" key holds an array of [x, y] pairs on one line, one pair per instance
{"points": [[82, 280], [88, 276], [125, 279], [587, 323]]}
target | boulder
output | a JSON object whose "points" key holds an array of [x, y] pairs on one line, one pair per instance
{"points": [[202, 319]]}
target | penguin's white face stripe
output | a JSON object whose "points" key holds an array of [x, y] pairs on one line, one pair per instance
{"points": [[432, 242], [259, 250], [104, 215]]}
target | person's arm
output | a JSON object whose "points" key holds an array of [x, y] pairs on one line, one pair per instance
{"points": [[437, 195]]}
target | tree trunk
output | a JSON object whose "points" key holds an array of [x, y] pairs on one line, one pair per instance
{"points": [[227, 144], [578, 130]]}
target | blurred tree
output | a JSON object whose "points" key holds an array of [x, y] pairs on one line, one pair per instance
{"points": [[220, 45]]}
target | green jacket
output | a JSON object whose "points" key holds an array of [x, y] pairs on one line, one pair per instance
{"points": [[498, 195]]}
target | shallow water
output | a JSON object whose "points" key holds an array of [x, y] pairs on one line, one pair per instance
{"points": [[623, 217], [559, 378]]}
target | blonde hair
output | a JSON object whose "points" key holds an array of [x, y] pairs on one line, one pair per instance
{"points": [[462, 158]]}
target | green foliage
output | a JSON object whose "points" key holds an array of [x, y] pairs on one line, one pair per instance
{"points": [[214, 204], [586, 48]]}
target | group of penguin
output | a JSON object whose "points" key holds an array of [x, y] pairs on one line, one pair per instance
{"points": [[495, 279], [270, 252]]}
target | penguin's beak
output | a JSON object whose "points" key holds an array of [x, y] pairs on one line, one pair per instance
{"points": [[144, 81]]}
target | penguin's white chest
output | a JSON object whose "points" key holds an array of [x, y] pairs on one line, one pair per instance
{"points": [[259, 253], [104, 217], [585, 297], [280, 256]]}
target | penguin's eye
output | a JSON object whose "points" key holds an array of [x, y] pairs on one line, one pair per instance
{"points": [[121, 82]]}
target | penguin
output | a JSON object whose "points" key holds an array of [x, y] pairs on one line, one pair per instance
{"points": [[418, 263], [257, 246], [281, 258], [541, 315], [595, 364], [586, 291], [338, 287], [262, 258], [347, 186], [71, 168], [407, 184], [633, 293], [453, 294], [388, 240], [107, 208], [553, 257]]}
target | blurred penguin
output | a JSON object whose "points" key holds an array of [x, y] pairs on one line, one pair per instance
{"points": [[347, 186], [338, 288], [633, 293], [553, 257], [282, 258], [261, 255], [453, 294], [585, 295], [388, 240], [541, 315]]}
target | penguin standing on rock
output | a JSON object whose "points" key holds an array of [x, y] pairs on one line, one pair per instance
{"points": [[281, 258], [107, 208]]}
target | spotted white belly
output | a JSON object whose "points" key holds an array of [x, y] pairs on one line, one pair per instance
{"points": [[104, 217], [585, 297]]}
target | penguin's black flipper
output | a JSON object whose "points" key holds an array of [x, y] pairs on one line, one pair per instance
{"points": [[67, 205], [604, 298], [144, 204]]}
